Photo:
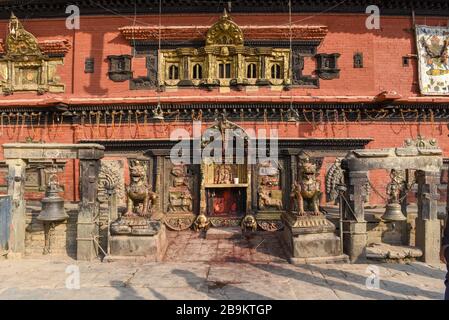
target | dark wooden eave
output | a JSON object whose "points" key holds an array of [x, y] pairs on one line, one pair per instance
{"points": [[329, 144], [57, 8]]}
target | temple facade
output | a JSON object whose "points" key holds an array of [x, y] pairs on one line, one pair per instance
{"points": [[142, 88]]}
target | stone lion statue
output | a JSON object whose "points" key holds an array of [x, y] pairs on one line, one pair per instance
{"points": [[305, 195], [141, 198]]}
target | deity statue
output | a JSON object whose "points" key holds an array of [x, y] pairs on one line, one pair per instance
{"points": [[223, 174], [395, 186], [141, 198], [305, 195], [180, 178]]}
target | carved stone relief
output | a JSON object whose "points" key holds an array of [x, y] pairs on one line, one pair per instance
{"points": [[269, 190], [111, 177], [180, 200], [334, 177]]}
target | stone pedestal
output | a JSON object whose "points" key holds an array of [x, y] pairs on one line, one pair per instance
{"points": [[311, 239], [138, 238]]}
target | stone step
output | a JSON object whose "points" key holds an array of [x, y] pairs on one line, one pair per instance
{"points": [[320, 260], [224, 233]]}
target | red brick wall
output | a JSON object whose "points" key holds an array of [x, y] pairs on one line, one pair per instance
{"points": [[99, 37]]}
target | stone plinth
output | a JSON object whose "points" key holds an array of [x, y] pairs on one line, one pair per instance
{"points": [[311, 239], [388, 253], [138, 238]]}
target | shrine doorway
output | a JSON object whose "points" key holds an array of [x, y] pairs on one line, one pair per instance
{"points": [[226, 190], [225, 180]]}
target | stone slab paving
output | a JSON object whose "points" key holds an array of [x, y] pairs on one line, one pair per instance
{"points": [[195, 268], [41, 279]]}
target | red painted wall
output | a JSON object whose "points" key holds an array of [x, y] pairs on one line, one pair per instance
{"points": [[385, 135], [99, 37]]}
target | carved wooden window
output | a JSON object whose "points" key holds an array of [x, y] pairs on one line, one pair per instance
{"points": [[328, 66], [120, 68], [173, 72], [251, 71], [89, 64], [276, 71], [224, 70], [358, 60], [197, 72]]}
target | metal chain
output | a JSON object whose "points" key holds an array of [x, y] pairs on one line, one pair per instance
{"points": [[377, 192], [408, 187]]}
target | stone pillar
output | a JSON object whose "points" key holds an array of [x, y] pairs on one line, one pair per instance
{"points": [[355, 239], [354, 225], [88, 228], [428, 229], [16, 190]]}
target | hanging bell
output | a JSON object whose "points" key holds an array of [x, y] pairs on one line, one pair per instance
{"points": [[393, 212], [52, 205], [158, 114]]}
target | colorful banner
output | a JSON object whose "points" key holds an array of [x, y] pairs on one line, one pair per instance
{"points": [[433, 59]]}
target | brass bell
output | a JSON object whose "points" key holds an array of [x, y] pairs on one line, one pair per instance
{"points": [[52, 205], [393, 212]]}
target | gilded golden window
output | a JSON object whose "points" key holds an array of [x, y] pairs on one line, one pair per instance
{"points": [[197, 72], [224, 70], [276, 71], [173, 72], [251, 71], [224, 61]]}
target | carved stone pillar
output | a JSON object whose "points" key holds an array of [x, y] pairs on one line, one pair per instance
{"points": [[88, 229], [428, 233], [16, 190], [354, 224]]}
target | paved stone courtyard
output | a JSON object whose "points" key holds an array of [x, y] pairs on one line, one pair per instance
{"points": [[195, 268], [191, 246]]}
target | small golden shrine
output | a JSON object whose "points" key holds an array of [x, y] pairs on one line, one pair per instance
{"points": [[24, 66]]}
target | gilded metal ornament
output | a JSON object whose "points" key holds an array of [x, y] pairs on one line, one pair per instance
{"points": [[249, 223], [224, 61], [201, 223], [270, 225], [179, 222], [24, 67], [225, 222]]}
